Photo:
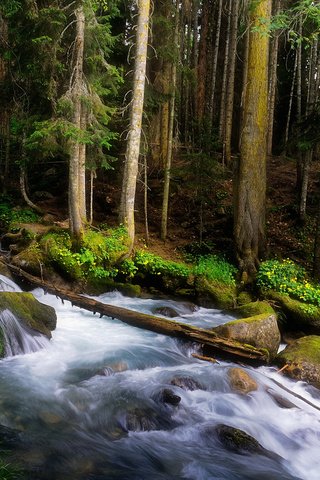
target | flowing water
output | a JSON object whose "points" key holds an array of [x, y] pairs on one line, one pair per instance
{"points": [[89, 405]]}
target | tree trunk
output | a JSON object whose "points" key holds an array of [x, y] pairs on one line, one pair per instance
{"points": [[230, 82], [75, 213], [82, 168], [214, 65], [307, 155], [273, 62], [4, 108], [299, 107], [133, 145], [167, 170], [224, 77], [250, 185], [202, 62], [286, 137]]}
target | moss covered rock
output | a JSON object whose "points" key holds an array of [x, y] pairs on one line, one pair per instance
{"points": [[30, 259], [297, 315], [302, 359], [29, 310], [260, 331], [215, 294], [253, 308]]}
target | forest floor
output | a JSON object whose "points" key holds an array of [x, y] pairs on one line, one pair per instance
{"points": [[205, 217]]}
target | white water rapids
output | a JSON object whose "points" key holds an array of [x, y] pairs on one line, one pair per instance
{"points": [[89, 407]]}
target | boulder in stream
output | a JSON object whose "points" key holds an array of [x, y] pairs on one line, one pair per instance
{"points": [[301, 359], [260, 331], [241, 381], [240, 442], [166, 311], [297, 315], [30, 311]]}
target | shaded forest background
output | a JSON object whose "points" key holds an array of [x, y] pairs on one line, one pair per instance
{"points": [[197, 72]]}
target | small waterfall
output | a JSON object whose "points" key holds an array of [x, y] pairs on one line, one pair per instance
{"points": [[7, 285], [18, 338]]}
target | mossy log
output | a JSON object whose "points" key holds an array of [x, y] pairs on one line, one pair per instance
{"points": [[150, 322]]}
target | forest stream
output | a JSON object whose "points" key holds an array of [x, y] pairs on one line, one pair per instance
{"points": [[89, 404]]}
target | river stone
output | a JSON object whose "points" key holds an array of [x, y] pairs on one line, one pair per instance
{"points": [[168, 312], [168, 396], [29, 310], [186, 383], [238, 441], [302, 359], [241, 381], [260, 331]]}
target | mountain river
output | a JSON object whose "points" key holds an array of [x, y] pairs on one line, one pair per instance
{"points": [[89, 403]]}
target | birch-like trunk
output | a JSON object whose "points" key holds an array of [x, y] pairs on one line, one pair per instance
{"points": [[133, 146], [250, 184], [75, 218], [286, 136]]}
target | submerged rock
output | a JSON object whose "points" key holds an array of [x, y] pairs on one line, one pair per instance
{"points": [[146, 419], [238, 441], [186, 383], [260, 331], [241, 381], [168, 396], [166, 312], [302, 359]]}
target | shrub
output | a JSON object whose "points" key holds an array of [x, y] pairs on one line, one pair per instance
{"points": [[152, 264], [215, 268], [288, 278]]}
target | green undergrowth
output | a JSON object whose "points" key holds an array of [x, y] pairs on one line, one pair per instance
{"points": [[10, 215], [97, 257], [288, 278], [9, 471], [103, 256]]}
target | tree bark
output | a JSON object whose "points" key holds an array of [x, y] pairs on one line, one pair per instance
{"points": [[214, 65], [4, 108], [250, 185], [167, 169], [230, 82], [133, 145], [153, 323], [224, 77], [75, 213], [273, 62]]}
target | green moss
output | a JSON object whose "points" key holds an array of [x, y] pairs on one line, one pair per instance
{"points": [[251, 319], [298, 315], [253, 308], [219, 295], [244, 298], [36, 315], [305, 349]]}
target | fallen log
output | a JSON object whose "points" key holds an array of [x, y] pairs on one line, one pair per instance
{"points": [[150, 322]]}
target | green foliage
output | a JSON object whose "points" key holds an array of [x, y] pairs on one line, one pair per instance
{"points": [[97, 257], [288, 278], [215, 268], [10, 216], [9, 471], [153, 264]]}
